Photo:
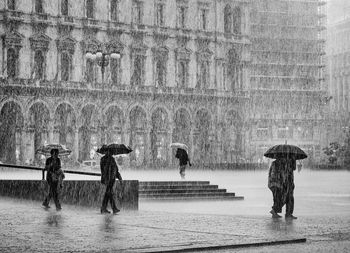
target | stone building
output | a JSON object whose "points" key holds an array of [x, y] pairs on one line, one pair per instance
{"points": [[287, 91], [182, 76], [338, 68]]}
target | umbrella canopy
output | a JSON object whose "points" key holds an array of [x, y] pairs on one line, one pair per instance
{"points": [[116, 149], [285, 150], [179, 145], [46, 149]]}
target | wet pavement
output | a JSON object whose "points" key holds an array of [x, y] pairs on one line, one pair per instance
{"points": [[322, 207]]}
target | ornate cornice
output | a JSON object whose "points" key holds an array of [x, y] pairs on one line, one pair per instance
{"points": [[40, 41]]}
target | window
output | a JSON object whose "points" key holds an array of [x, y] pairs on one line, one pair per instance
{"points": [[182, 16], [137, 12], [160, 73], [227, 19], [90, 8], [203, 81], [39, 64], [203, 19], [182, 74], [39, 6], [237, 20], [160, 14], [66, 66], [12, 63], [90, 71], [11, 5], [138, 72], [282, 132], [262, 133], [114, 10], [64, 7], [115, 70]]}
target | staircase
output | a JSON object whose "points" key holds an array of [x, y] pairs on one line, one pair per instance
{"points": [[181, 190]]}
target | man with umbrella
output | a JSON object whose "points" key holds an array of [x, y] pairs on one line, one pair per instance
{"points": [[281, 177], [109, 172], [54, 178]]}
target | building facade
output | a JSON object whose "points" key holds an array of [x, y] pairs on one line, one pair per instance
{"points": [[287, 75], [338, 68], [182, 76]]}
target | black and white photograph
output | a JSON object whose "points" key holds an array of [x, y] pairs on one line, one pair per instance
{"points": [[155, 126]]}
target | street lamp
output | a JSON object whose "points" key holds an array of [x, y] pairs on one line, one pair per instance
{"points": [[102, 59]]}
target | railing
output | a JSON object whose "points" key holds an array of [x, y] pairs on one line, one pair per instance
{"points": [[43, 170]]}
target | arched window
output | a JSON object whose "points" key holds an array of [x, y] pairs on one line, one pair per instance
{"points": [[160, 73], [90, 8], [11, 5], [12, 61], [64, 7], [66, 66], [39, 64], [237, 16], [182, 73], [234, 70], [90, 70], [39, 6], [227, 19], [115, 68], [204, 73]]}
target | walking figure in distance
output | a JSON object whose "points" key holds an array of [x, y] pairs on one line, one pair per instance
{"points": [[54, 178], [182, 155], [109, 172]]}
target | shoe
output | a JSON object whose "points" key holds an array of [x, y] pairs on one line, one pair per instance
{"points": [[274, 214], [115, 211], [58, 208], [290, 216], [105, 211], [46, 205]]}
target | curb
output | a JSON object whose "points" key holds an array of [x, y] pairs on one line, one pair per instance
{"points": [[232, 246]]}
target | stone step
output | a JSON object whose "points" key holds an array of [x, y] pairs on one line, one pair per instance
{"points": [[175, 187], [191, 196], [201, 197], [157, 183], [166, 191]]}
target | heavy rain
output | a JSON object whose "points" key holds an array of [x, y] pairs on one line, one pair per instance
{"points": [[192, 125]]}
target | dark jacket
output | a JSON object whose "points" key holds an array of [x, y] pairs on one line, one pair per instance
{"points": [[109, 170], [182, 156], [276, 174], [53, 168]]}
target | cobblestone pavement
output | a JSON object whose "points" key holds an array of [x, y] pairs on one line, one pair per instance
{"points": [[26, 227]]}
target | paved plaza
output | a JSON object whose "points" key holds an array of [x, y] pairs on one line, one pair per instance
{"points": [[322, 207]]}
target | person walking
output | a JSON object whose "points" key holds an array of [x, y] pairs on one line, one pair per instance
{"points": [[109, 172], [54, 178], [182, 155], [275, 184]]}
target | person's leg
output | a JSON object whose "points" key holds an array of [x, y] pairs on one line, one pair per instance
{"points": [[276, 194], [48, 197], [105, 202], [54, 195], [290, 204], [112, 198], [182, 171]]}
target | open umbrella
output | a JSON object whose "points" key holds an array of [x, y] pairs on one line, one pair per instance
{"points": [[116, 149], [285, 150], [179, 145], [46, 149]]}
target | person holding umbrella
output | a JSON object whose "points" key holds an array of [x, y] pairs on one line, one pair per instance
{"points": [[54, 178], [109, 172], [281, 177], [182, 155]]}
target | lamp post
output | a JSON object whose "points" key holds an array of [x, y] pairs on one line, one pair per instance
{"points": [[102, 59]]}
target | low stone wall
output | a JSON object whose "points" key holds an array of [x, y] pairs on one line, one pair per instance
{"points": [[85, 193]]}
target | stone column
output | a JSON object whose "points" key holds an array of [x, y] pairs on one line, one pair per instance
{"points": [[51, 130], [170, 140], [23, 145], [191, 143], [147, 145]]}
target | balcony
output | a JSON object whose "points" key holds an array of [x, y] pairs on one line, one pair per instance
{"points": [[66, 21], [90, 23], [13, 15], [40, 18]]}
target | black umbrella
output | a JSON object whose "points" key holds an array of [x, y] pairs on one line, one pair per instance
{"points": [[46, 149], [285, 150], [116, 149]]}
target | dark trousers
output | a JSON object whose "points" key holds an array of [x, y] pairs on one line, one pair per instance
{"points": [[182, 170], [109, 196], [277, 199], [290, 202], [52, 194]]}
